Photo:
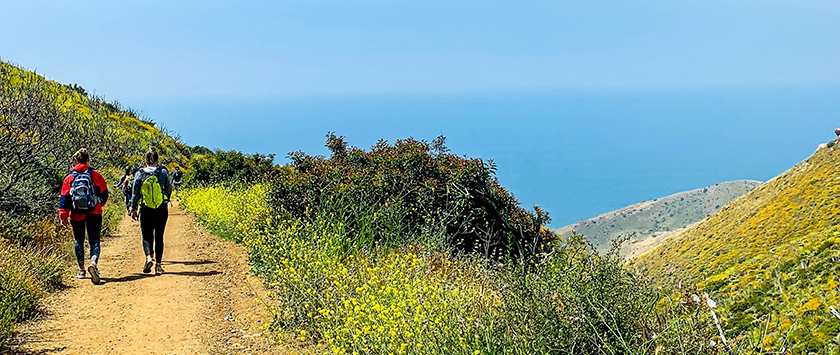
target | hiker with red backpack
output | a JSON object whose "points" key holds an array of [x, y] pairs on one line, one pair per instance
{"points": [[150, 198], [83, 193]]}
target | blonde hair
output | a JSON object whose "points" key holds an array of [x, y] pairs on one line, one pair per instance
{"points": [[82, 156]]}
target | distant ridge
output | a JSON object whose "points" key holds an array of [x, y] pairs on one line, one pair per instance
{"points": [[653, 221], [772, 254]]}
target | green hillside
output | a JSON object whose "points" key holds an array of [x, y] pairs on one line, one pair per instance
{"points": [[651, 219], [770, 259], [42, 123]]}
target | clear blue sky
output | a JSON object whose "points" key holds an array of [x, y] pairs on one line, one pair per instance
{"points": [[586, 105]]}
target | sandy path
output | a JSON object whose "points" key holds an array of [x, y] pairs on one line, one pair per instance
{"points": [[203, 304]]}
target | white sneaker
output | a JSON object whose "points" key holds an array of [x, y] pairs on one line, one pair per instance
{"points": [[80, 274]]}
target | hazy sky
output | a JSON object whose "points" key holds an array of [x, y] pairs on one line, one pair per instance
{"points": [[586, 106], [166, 49]]}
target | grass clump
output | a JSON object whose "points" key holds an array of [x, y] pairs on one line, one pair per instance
{"points": [[33, 265]]}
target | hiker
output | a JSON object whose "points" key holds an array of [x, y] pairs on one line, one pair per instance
{"points": [[151, 191], [83, 193], [177, 176], [125, 187]]}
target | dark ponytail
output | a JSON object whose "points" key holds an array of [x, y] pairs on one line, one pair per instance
{"points": [[151, 157]]}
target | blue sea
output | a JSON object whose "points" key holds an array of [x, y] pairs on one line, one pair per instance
{"points": [[575, 153]]}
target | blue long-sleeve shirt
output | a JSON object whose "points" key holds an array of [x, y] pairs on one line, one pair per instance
{"points": [[163, 178]]}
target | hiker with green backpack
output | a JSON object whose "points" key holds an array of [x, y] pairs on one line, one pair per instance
{"points": [[150, 198]]}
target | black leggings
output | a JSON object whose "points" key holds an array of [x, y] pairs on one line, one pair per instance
{"points": [[93, 224], [152, 225]]}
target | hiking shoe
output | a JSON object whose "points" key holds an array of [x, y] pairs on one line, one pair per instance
{"points": [[147, 268], [80, 274], [158, 270], [94, 274]]}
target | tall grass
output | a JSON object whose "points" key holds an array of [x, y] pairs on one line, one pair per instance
{"points": [[37, 257], [344, 295], [26, 274], [32, 265]]}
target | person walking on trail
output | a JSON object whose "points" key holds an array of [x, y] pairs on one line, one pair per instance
{"points": [[150, 198], [125, 187], [177, 175], [83, 193]]}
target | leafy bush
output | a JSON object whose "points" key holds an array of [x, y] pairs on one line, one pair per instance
{"points": [[230, 166], [399, 191], [415, 299]]}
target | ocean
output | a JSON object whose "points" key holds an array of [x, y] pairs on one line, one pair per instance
{"points": [[575, 153]]}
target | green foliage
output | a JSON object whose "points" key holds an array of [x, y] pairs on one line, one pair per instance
{"points": [[230, 166], [392, 194], [412, 298], [27, 272], [577, 301]]}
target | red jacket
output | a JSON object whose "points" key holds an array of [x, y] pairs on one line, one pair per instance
{"points": [[100, 186]]}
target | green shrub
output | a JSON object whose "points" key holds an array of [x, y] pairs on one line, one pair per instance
{"points": [[26, 273], [412, 298], [229, 166], [400, 191]]}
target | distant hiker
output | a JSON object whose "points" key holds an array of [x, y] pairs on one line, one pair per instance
{"points": [[837, 132], [126, 175], [83, 193], [177, 176], [125, 187], [151, 191]]}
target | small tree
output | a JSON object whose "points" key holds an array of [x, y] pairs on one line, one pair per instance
{"points": [[39, 131]]}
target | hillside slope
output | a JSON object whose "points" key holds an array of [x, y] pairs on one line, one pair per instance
{"points": [[653, 219], [42, 123], [770, 258]]}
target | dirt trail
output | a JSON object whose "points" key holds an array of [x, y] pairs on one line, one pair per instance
{"points": [[203, 304]]}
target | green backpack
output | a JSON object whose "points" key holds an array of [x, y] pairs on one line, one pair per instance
{"points": [[151, 193]]}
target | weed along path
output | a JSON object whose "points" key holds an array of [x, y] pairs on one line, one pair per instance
{"points": [[203, 304]]}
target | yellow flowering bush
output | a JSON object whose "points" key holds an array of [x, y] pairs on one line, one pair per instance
{"points": [[344, 294], [383, 301], [227, 210]]}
